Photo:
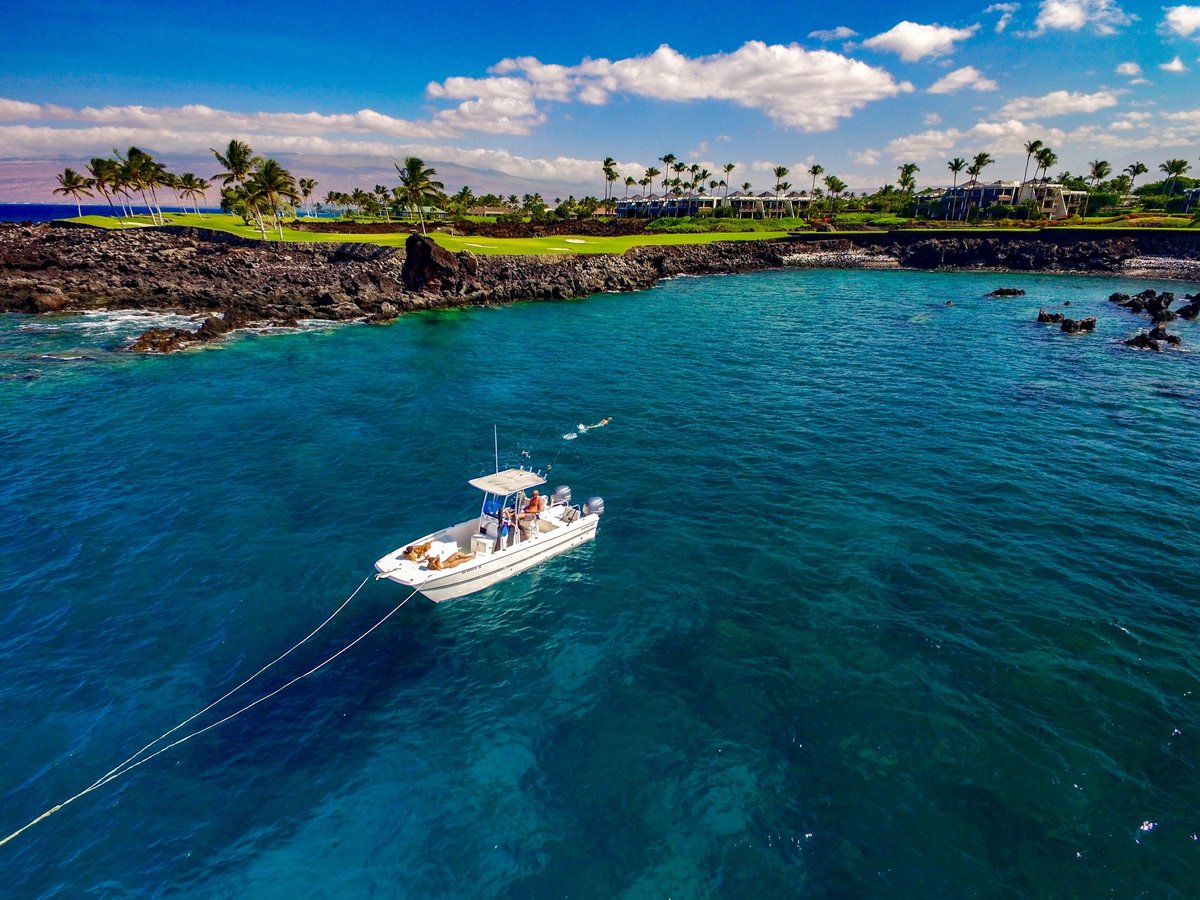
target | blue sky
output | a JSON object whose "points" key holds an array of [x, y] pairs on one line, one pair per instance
{"points": [[531, 96]]}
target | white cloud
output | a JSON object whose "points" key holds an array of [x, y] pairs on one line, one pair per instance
{"points": [[1059, 103], [1131, 69], [913, 42], [1181, 20], [19, 110], [835, 34], [42, 141], [995, 137], [1006, 11], [867, 158], [795, 87], [932, 119], [192, 117], [966, 77], [1175, 65], [1101, 16]]}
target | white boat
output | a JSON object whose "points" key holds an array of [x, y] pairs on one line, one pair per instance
{"points": [[498, 543]]}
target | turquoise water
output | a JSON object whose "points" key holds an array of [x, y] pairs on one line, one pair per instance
{"points": [[891, 598]]}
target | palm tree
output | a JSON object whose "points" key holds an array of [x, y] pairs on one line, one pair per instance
{"points": [[1174, 169], [140, 171], [1100, 169], [189, 186], [907, 182], [72, 184], [815, 169], [973, 170], [978, 163], [1045, 159], [784, 187], [1031, 147], [1133, 170], [609, 169], [307, 186], [835, 186], [239, 161], [103, 172], [361, 201], [271, 187], [200, 189], [630, 181], [955, 165], [728, 170], [780, 173], [651, 174], [383, 197], [417, 186], [677, 182], [462, 202], [668, 160]]}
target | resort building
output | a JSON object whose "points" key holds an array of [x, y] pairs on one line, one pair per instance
{"points": [[743, 205], [1191, 199], [1056, 201]]}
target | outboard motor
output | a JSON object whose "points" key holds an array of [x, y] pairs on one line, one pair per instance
{"points": [[561, 496], [594, 505]]}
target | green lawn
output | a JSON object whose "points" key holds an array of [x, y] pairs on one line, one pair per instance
{"points": [[544, 245], [563, 244]]}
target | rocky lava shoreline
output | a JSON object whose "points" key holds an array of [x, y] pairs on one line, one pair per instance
{"points": [[239, 282]]}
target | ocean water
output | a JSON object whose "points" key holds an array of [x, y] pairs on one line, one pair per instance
{"points": [[47, 212], [892, 598]]}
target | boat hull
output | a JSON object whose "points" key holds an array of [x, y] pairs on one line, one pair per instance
{"points": [[483, 572]]}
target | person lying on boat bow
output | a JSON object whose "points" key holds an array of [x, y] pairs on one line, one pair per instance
{"points": [[416, 552], [454, 559]]}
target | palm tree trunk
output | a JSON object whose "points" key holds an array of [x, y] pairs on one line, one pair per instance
{"points": [[154, 197], [146, 201], [108, 198]]}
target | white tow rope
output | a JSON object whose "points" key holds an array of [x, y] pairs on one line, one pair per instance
{"points": [[138, 759]]}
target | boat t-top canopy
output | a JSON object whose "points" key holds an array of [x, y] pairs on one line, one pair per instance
{"points": [[508, 482]]}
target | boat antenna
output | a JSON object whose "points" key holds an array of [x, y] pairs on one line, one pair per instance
{"points": [[496, 445]]}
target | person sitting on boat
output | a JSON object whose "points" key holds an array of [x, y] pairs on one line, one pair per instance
{"points": [[456, 558], [533, 508]]}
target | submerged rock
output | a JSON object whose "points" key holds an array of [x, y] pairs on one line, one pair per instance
{"points": [[1078, 326], [1158, 333], [1142, 341], [164, 340], [1007, 292], [1044, 316]]}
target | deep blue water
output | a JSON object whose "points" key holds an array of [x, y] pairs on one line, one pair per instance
{"points": [[46, 212], [891, 599]]}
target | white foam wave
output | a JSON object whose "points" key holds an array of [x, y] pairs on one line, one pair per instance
{"points": [[110, 322]]}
